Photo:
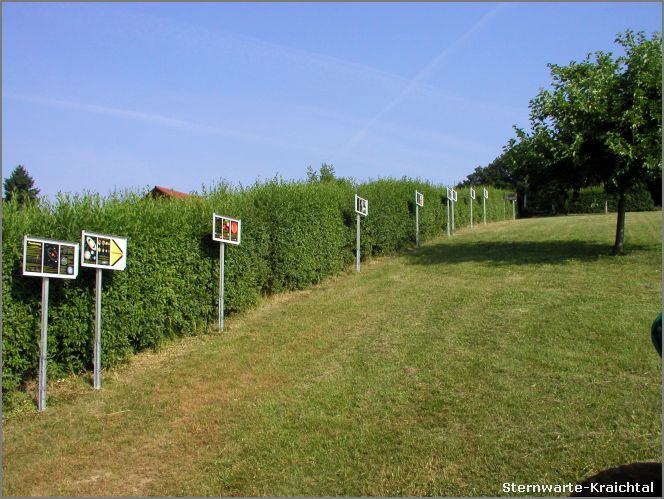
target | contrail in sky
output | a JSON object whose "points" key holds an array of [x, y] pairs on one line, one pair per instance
{"points": [[157, 119], [417, 79]]}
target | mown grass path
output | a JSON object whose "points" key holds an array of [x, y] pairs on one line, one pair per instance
{"points": [[518, 352]]}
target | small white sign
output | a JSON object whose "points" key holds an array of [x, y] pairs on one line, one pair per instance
{"points": [[450, 194], [472, 193], [419, 198], [486, 193], [361, 206], [102, 251], [226, 229], [49, 258], [454, 195]]}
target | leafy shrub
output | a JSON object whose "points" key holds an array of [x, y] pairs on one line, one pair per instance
{"points": [[591, 200], [294, 234]]}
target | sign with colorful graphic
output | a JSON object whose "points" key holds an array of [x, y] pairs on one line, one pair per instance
{"points": [[102, 251], [419, 198], [361, 206], [50, 258], [472, 193], [226, 229]]}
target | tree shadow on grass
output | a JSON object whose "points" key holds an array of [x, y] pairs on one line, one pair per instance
{"points": [[513, 252]]}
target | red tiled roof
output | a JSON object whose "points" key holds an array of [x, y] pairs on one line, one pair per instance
{"points": [[170, 193]]}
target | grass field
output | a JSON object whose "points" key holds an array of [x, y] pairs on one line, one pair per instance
{"points": [[519, 351]]}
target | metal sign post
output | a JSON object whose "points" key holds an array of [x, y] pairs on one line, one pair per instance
{"points": [[449, 196], [472, 196], [454, 200], [225, 230], [47, 258], [357, 245], [43, 345], [96, 379], [419, 201], [513, 209], [362, 209], [101, 251], [220, 303], [484, 198]]}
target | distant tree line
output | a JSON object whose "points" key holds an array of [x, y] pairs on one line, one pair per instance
{"points": [[598, 125]]}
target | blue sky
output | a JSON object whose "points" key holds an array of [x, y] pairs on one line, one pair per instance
{"points": [[104, 96]]}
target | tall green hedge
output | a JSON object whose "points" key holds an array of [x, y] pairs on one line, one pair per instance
{"points": [[294, 234]]}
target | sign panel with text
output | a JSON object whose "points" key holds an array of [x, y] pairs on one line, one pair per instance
{"points": [[49, 258], [102, 251]]}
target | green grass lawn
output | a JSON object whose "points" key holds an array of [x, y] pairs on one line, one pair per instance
{"points": [[519, 351]]}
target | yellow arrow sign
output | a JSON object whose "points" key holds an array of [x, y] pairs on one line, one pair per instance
{"points": [[116, 252]]}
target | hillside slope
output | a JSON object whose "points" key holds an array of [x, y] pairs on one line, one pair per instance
{"points": [[517, 352]]}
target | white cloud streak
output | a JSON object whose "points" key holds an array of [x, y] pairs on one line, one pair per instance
{"points": [[157, 119], [416, 81]]}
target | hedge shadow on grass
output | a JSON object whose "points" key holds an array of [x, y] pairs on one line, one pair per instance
{"points": [[513, 252]]}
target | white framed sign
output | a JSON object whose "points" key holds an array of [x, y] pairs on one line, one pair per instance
{"points": [[486, 193], [472, 193], [450, 194], [226, 229], [454, 195], [102, 251], [49, 258], [361, 206], [419, 198]]}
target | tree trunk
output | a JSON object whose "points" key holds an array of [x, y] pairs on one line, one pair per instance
{"points": [[618, 247]]}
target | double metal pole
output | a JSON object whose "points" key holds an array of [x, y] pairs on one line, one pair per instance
{"points": [[417, 225], [357, 244], [96, 379], [41, 391], [221, 286], [471, 212]]}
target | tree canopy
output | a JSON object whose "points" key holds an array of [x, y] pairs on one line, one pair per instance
{"points": [[599, 123], [20, 186]]}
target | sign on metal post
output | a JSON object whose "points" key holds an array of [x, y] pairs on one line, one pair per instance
{"points": [[511, 197], [225, 230], [484, 198], [47, 258], [101, 251], [362, 209], [472, 197], [419, 201]]}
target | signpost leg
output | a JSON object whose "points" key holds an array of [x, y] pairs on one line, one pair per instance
{"points": [[448, 217], [453, 203], [41, 393], [357, 244], [513, 209], [96, 381], [221, 286], [471, 213], [484, 210], [417, 225]]}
